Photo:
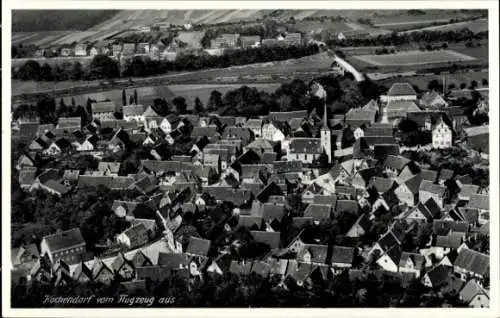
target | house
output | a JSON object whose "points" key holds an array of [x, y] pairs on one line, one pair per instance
{"points": [[433, 99], [390, 260], [407, 192], [272, 239], [133, 112], [474, 295], [41, 271], [198, 246], [274, 131], [135, 235], [466, 191], [81, 50], [393, 165], [27, 177], [255, 125], [411, 263], [399, 109], [82, 273], [481, 203], [359, 116], [360, 227], [470, 263], [401, 91], [123, 267], [128, 49], [249, 41], [103, 110], [437, 277], [477, 138], [24, 254], [93, 51], [441, 135], [342, 257], [313, 254], [57, 147], [306, 150], [318, 212], [260, 146], [109, 168], [66, 51], [429, 190], [102, 273], [67, 245]]}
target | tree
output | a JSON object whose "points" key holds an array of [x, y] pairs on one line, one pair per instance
{"points": [[215, 101], [473, 84], [73, 102], [46, 72], [124, 97], [89, 106], [198, 106], [463, 86], [160, 106], [63, 109], [30, 71], [76, 71], [131, 100], [103, 66], [135, 95], [180, 104], [435, 85], [484, 82]]}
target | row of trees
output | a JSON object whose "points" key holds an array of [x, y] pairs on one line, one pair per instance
{"points": [[452, 36]]}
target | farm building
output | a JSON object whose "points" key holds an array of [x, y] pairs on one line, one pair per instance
{"points": [[400, 91]]}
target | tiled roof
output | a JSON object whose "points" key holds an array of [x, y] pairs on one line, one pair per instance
{"points": [[133, 110], [64, 240], [103, 107], [318, 211], [198, 246], [470, 290], [318, 253], [401, 89], [473, 261], [432, 188], [306, 146], [343, 255], [270, 238], [479, 201]]}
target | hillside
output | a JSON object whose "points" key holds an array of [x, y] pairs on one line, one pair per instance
{"points": [[52, 20]]}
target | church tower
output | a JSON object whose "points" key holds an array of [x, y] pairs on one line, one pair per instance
{"points": [[326, 137]]}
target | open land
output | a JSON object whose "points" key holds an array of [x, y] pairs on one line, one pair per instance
{"points": [[414, 57]]}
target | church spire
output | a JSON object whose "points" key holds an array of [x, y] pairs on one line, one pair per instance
{"points": [[325, 122]]}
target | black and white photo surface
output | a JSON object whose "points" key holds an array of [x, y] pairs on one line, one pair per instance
{"points": [[209, 158]]}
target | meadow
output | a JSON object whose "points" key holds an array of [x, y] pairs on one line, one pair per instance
{"points": [[414, 58]]}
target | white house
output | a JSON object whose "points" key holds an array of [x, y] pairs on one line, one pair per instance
{"points": [[441, 135]]}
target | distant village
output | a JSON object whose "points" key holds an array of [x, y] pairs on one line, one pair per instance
{"points": [[282, 171], [159, 51]]}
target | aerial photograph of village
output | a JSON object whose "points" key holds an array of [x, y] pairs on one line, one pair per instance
{"points": [[249, 158]]}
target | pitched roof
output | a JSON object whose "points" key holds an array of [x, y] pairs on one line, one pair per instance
{"points": [[342, 254], [64, 240], [382, 184], [273, 211], [318, 253], [133, 110], [318, 211], [135, 233], [439, 275], [57, 187], [429, 175], [172, 260], [103, 107], [198, 246], [396, 162], [473, 261], [479, 201], [444, 227], [470, 290], [401, 89], [433, 188], [306, 145], [417, 259], [270, 238]]}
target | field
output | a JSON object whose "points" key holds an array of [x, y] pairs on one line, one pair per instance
{"points": [[478, 52], [390, 19], [38, 38], [268, 72], [475, 26], [147, 94], [414, 58]]}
